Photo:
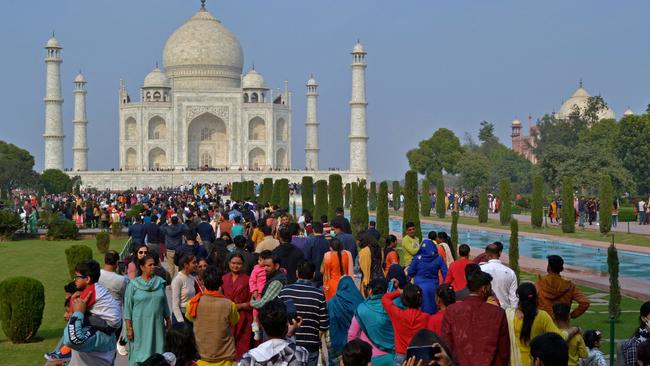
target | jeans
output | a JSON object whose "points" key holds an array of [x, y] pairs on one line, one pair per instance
{"points": [[614, 220], [581, 221], [312, 359]]}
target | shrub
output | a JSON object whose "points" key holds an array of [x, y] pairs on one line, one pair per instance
{"points": [[626, 214], [348, 195], [62, 229], [103, 241], [396, 196], [537, 210], [9, 223], [267, 194], [606, 201], [441, 207], [372, 196], [22, 300], [614, 288], [568, 213], [513, 252], [411, 206], [335, 192], [382, 210], [276, 195], [425, 200], [359, 212], [321, 206], [307, 192], [75, 254], [453, 245], [505, 211], [483, 205]]}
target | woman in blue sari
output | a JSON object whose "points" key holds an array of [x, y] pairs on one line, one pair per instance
{"points": [[424, 270], [372, 325], [341, 308]]}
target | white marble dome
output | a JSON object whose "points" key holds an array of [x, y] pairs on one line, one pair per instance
{"points": [[203, 47], [628, 112], [579, 99], [156, 79], [312, 81], [52, 43], [516, 122], [79, 78], [253, 80], [358, 48]]}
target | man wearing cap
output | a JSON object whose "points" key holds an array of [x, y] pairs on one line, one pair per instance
{"points": [[553, 289]]}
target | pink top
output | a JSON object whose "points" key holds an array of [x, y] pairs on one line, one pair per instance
{"points": [[355, 332], [257, 279]]}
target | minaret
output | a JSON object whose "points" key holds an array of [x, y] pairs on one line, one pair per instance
{"points": [[80, 146], [53, 135], [311, 126], [358, 136]]}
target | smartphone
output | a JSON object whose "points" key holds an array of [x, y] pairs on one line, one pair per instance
{"points": [[424, 353]]}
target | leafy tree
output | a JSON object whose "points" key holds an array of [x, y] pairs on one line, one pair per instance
{"points": [[606, 201], [505, 195], [16, 168], [411, 206], [513, 252], [614, 287], [321, 206], [9, 223], [483, 205], [568, 213], [359, 213], [397, 202], [486, 133], [335, 188], [307, 191], [382, 210], [425, 200], [348, 195], [55, 181], [454, 234], [267, 195], [633, 143], [537, 210], [441, 207], [372, 196], [442, 151], [474, 168]]}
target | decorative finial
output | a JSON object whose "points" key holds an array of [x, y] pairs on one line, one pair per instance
{"points": [[581, 82], [156, 64], [52, 33], [203, 4], [253, 66]]}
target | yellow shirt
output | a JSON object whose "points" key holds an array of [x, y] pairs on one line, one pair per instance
{"points": [[364, 265], [257, 236], [577, 350], [411, 247], [542, 324]]}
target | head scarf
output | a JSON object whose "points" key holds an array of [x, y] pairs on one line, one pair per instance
{"points": [[341, 308], [396, 271], [428, 250]]}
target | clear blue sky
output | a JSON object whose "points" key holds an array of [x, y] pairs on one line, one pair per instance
{"points": [[431, 64]]}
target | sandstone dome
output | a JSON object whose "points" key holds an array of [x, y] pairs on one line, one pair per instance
{"points": [[579, 99], [201, 49], [516, 122], [156, 79]]}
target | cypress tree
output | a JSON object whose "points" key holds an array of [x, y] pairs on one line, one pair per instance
{"points": [[568, 213], [372, 196], [277, 194], [268, 190], [321, 206], [513, 252], [359, 212], [382, 210], [335, 191], [441, 208], [284, 194], [606, 201], [348, 195], [483, 205], [396, 196], [307, 192], [411, 206], [353, 189], [425, 201], [295, 216], [454, 234], [537, 210], [236, 191], [614, 287], [505, 195]]}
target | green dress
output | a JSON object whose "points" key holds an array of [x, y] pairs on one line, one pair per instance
{"points": [[145, 305]]}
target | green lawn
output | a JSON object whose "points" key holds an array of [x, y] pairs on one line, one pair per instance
{"points": [[45, 261]]}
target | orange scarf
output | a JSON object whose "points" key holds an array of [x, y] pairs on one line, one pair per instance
{"points": [[194, 302]]}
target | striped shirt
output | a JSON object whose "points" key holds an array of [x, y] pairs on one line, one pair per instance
{"points": [[311, 307]]}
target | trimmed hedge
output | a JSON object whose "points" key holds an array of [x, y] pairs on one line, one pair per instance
{"points": [[411, 206], [103, 241], [321, 206], [568, 212], [505, 195], [425, 200], [359, 212], [307, 192], [453, 245], [606, 202], [626, 214], [348, 195], [513, 252], [382, 210], [372, 196], [22, 300], [537, 211], [76, 254], [335, 192], [441, 207], [62, 229], [397, 203], [9, 223]]}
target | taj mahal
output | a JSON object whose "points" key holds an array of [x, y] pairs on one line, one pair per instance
{"points": [[199, 118]]}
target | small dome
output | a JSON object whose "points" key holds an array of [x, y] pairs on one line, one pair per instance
{"points": [[80, 78], [358, 48], [312, 81], [628, 112], [156, 79], [516, 122], [253, 80], [52, 43]]}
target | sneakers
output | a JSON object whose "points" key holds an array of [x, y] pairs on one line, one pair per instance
{"points": [[256, 331], [57, 356], [121, 348]]}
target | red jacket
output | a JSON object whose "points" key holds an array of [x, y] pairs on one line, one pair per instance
{"points": [[405, 322], [456, 274], [435, 321], [477, 333]]}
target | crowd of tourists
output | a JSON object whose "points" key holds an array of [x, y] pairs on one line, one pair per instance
{"points": [[208, 281]]}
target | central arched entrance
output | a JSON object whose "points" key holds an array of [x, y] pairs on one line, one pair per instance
{"points": [[207, 142]]}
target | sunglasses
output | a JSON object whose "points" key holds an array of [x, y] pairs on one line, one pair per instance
{"points": [[79, 276], [145, 252]]}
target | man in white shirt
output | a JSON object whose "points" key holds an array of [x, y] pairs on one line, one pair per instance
{"points": [[504, 280], [113, 282], [641, 207]]}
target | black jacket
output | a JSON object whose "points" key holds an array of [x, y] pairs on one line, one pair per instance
{"points": [[290, 256]]}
